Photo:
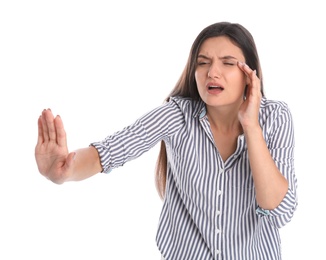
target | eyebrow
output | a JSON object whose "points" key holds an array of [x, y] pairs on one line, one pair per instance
{"points": [[227, 57]]}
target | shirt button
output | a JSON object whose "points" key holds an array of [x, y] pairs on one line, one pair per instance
{"points": [[217, 251], [218, 212], [219, 192]]}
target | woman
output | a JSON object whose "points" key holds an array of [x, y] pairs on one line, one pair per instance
{"points": [[225, 169]]}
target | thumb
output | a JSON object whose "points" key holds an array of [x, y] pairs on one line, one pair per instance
{"points": [[70, 159]]}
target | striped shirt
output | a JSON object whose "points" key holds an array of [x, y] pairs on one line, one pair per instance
{"points": [[210, 209]]}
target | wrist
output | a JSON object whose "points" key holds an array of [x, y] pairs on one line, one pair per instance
{"points": [[252, 131]]}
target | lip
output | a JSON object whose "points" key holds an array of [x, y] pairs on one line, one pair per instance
{"points": [[214, 91]]}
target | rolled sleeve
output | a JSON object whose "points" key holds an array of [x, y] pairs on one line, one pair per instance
{"points": [[281, 145]]}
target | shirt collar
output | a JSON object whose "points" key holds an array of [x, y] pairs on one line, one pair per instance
{"points": [[200, 110]]}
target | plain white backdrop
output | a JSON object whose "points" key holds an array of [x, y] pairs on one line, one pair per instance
{"points": [[101, 65]]}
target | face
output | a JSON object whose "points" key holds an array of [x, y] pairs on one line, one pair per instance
{"points": [[220, 81]]}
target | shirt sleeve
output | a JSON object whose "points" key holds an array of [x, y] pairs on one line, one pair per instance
{"points": [[132, 141], [281, 145]]}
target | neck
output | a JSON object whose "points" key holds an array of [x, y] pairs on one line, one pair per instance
{"points": [[224, 121]]}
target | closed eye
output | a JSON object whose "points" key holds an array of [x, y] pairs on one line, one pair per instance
{"points": [[202, 63], [229, 60], [203, 60]]}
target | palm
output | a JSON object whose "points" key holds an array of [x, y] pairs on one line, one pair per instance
{"points": [[49, 157], [51, 151], [246, 112]]}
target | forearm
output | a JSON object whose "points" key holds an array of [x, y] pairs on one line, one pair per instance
{"points": [[270, 185], [86, 164]]}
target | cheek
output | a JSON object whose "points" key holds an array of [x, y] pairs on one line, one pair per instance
{"points": [[239, 78], [199, 78]]}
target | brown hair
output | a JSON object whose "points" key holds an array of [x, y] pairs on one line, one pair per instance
{"points": [[186, 86]]}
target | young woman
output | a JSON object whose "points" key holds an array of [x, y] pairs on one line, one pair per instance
{"points": [[226, 165]]}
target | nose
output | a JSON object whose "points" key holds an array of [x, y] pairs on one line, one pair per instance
{"points": [[214, 71]]}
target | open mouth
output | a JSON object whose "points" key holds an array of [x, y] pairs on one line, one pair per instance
{"points": [[215, 88]]}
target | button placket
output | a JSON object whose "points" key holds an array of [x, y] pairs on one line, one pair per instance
{"points": [[218, 212]]}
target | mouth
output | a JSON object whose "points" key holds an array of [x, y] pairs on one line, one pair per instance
{"points": [[215, 88]]}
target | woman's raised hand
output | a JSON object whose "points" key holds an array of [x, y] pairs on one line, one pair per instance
{"points": [[249, 110], [51, 152]]}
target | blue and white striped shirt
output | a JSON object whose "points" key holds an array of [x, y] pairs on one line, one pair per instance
{"points": [[210, 209]]}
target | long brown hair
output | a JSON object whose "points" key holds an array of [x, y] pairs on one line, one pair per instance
{"points": [[186, 86]]}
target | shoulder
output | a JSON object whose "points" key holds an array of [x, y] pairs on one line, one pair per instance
{"points": [[274, 112], [268, 106], [187, 105], [271, 103]]}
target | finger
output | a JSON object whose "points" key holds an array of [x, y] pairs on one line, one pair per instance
{"points": [[60, 131], [252, 76], [70, 159], [255, 82], [45, 131], [246, 69], [40, 138], [49, 121]]}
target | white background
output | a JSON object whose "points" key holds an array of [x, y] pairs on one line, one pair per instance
{"points": [[101, 65]]}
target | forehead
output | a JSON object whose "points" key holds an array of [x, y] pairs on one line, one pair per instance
{"points": [[220, 46]]}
